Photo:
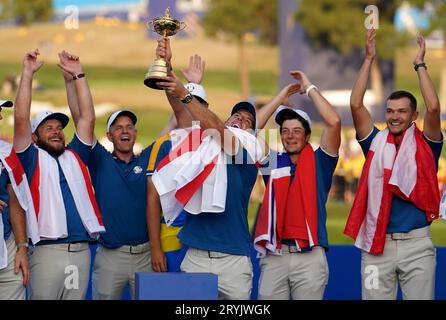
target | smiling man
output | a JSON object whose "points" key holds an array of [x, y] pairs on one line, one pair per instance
{"points": [[398, 196], [291, 234], [219, 241], [66, 210], [120, 184]]}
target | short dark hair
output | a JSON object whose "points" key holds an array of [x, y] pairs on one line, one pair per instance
{"points": [[404, 94], [293, 115]]}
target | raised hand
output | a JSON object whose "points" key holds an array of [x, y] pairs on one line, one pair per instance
{"points": [[419, 58], [288, 91], [69, 64], [302, 80], [370, 44], [30, 62], [163, 49], [194, 73]]}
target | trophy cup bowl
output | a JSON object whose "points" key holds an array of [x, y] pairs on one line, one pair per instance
{"points": [[165, 26]]}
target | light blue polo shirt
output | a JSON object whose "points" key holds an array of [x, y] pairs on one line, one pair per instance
{"points": [[404, 216], [226, 232], [121, 193], [4, 196], [325, 167], [76, 230]]}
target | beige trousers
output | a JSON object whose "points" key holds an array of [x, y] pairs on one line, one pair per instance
{"points": [[59, 271], [408, 259], [295, 275], [234, 272], [114, 269], [11, 284]]}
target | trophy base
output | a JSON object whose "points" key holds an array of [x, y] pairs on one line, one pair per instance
{"points": [[151, 83]]}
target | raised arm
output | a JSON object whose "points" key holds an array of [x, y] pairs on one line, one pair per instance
{"points": [[153, 213], [207, 119], [331, 136], [86, 118], [22, 125], [70, 88], [362, 119], [267, 110], [182, 117], [432, 122]]}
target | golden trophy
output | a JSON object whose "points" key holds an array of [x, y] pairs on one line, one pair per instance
{"points": [[165, 26]]}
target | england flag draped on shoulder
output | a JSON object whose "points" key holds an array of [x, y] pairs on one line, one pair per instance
{"points": [[408, 172], [193, 175], [19, 183]]}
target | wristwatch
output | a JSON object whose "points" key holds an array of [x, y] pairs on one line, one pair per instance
{"points": [[187, 98], [78, 76]]}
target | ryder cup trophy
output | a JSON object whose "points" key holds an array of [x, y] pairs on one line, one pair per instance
{"points": [[165, 26]]}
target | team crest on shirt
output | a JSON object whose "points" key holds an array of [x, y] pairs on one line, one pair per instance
{"points": [[137, 169]]}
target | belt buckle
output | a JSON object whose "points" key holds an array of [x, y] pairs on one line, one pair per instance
{"points": [[292, 249], [214, 255]]}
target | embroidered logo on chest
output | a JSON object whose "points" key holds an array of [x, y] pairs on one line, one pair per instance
{"points": [[137, 169]]}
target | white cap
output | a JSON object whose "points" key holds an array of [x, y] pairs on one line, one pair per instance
{"points": [[118, 113], [197, 90], [47, 115], [6, 103], [282, 110]]}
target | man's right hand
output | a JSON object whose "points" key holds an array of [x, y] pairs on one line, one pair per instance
{"points": [[163, 49], [159, 261], [370, 44], [30, 62]]}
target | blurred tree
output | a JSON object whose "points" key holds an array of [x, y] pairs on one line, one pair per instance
{"points": [[341, 25], [235, 19], [30, 11]]}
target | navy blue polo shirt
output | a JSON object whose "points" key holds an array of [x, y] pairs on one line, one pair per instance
{"points": [[228, 231], [404, 216], [76, 230], [121, 193], [4, 196], [325, 167]]}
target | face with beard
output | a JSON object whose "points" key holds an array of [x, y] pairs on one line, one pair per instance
{"points": [[50, 137]]}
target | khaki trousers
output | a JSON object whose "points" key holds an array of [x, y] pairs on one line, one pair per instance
{"points": [[234, 272], [59, 271], [295, 275], [114, 269], [408, 259], [11, 284]]}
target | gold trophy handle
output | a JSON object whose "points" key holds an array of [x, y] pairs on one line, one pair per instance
{"points": [[182, 25]]}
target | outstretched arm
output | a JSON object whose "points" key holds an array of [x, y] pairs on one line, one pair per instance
{"points": [[22, 125], [207, 119], [331, 136], [182, 117], [267, 110], [86, 118], [153, 213], [432, 122], [362, 119]]}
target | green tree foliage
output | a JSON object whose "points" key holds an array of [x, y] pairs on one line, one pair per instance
{"points": [[235, 18], [25, 11], [340, 24]]}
